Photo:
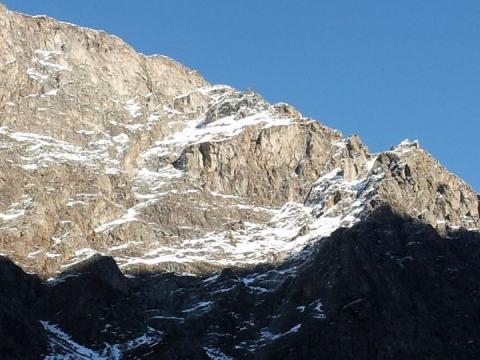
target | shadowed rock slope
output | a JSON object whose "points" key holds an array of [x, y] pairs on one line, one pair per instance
{"points": [[386, 288], [157, 215]]}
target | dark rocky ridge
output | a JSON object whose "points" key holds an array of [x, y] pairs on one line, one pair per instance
{"points": [[387, 288]]}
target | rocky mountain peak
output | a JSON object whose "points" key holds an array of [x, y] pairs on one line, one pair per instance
{"points": [[106, 150]]}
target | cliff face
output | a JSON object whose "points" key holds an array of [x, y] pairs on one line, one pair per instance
{"points": [[104, 150]]}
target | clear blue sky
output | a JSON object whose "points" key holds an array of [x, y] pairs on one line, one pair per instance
{"points": [[387, 70]]}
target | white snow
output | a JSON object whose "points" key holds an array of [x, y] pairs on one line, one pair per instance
{"points": [[30, 167], [201, 307], [168, 318], [53, 92], [62, 343], [115, 351], [121, 140], [215, 354], [130, 216], [17, 210], [133, 108], [34, 253], [195, 131], [48, 68], [253, 244], [124, 246], [266, 336], [152, 118], [43, 57], [62, 346], [43, 150], [58, 239], [52, 255], [317, 308], [12, 215], [85, 132], [406, 146], [153, 181], [81, 255], [35, 75]]}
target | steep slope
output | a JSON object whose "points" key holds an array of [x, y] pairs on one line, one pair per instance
{"points": [[246, 229], [388, 287], [104, 149]]}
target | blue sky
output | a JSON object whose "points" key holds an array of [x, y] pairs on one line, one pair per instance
{"points": [[386, 70]]}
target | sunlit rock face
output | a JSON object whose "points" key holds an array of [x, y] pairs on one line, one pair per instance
{"points": [[107, 150], [109, 154]]}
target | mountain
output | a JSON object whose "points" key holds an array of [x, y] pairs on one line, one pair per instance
{"points": [[147, 213]]}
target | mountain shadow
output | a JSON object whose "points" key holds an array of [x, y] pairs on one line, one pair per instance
{"points": [[387, 288]]}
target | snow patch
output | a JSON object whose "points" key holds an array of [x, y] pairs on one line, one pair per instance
{"points": [[130, 216], [63, 347], [62, 343], [37, 76], [81, 255], [12, 215], [133, 108], [196, 132], [215, 354]]}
